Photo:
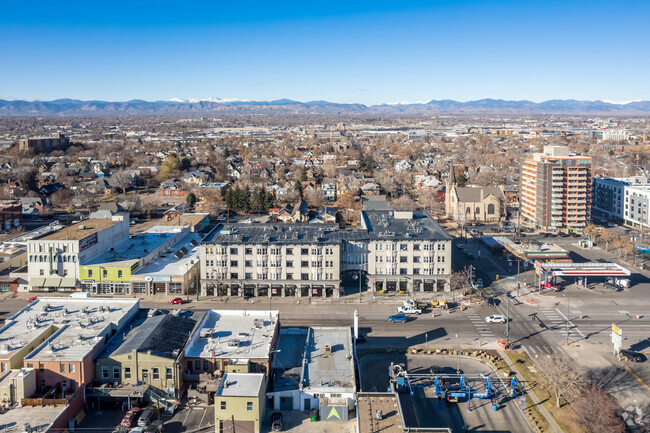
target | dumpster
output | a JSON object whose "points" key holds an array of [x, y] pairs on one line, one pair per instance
{"points": [[313, 415]]}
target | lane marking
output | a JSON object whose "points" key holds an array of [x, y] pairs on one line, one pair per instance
{"points": [[570, 323]]}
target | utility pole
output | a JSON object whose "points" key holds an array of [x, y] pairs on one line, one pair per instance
{"points": [[567, 321], [518, 276], [507, 318]]}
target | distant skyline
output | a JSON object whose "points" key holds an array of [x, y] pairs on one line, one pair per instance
{"points": [[364, 52]]}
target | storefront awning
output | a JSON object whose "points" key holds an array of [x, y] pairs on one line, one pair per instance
{"points": [[52, 282], [68, 282], [36, 281]]}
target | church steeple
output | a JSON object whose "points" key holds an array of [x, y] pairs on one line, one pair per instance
{"points": [[451, 179]]}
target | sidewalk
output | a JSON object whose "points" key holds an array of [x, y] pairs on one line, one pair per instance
{"points": [[531, 393]]}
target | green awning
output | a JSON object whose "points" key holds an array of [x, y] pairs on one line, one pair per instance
{"points": [[36, 281]]}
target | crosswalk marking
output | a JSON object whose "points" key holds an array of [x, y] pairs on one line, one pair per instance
{"points": [[483, 330], [542, 350]]}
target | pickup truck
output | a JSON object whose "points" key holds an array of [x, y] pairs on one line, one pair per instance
{"points": [[440, 304], [408, 310]]}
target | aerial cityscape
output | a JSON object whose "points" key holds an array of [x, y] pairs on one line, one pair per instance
{"points": [[302, 253]]}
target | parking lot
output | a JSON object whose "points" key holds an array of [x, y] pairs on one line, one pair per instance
{"points": [[188, 418]]}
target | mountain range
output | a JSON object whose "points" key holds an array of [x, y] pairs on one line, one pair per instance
{"points": [[74, 107]]}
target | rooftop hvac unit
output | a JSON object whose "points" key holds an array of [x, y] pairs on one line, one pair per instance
{"points": [[234, 342], [82, 227]]}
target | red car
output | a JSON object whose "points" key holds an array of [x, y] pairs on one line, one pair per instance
{"points": [[30, 300], [131, 416], [176, 301], [551, 287]]}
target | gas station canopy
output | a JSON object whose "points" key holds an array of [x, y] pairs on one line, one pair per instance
{"points": [[582, 269]]}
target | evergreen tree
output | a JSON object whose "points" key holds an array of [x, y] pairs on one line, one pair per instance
{"points": [[30, 181], [190, 199], [298, 187]]}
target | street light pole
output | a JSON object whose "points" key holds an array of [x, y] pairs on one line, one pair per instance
{"points": [[567, 321], [507, 318]]}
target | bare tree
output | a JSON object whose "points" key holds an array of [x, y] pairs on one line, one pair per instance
{"points": [[596, 412], [461, 220], [607, 236], [122, 180], [459, 280], [149, 205], [62, 198], [315, 197], [403, 202], [132, 204], [87, 201], [561, 375]]}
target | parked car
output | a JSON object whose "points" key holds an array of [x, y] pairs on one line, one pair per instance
{"points": [[136, 430], [176, 301], [276, 421], [628, 355], [495, 318], [397, 318], [474, 232], [479, 283], [146, 416], [32, 299], [550, 286], [408, 310], [361, 339], [130, 417], [613, 287], [460, 246]]}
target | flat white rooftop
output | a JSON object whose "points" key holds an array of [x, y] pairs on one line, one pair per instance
{"points": [[78, 325], [234, 334], [240, 385], [139, 245], [329, 366], [38, 416], [169, 264]]}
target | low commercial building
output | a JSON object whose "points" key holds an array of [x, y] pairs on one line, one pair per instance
{"points": [[232, 341], [59, 337], [314, 369], [240, 398], [55, 258], [11, 212], [391, 251], [151, 353], [174, 273], [110, 272]]}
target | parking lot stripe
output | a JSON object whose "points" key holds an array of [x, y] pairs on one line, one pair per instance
{"points": [[531, 348]]}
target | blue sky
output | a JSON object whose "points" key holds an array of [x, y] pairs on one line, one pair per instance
{"points": [[367, 52]]}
